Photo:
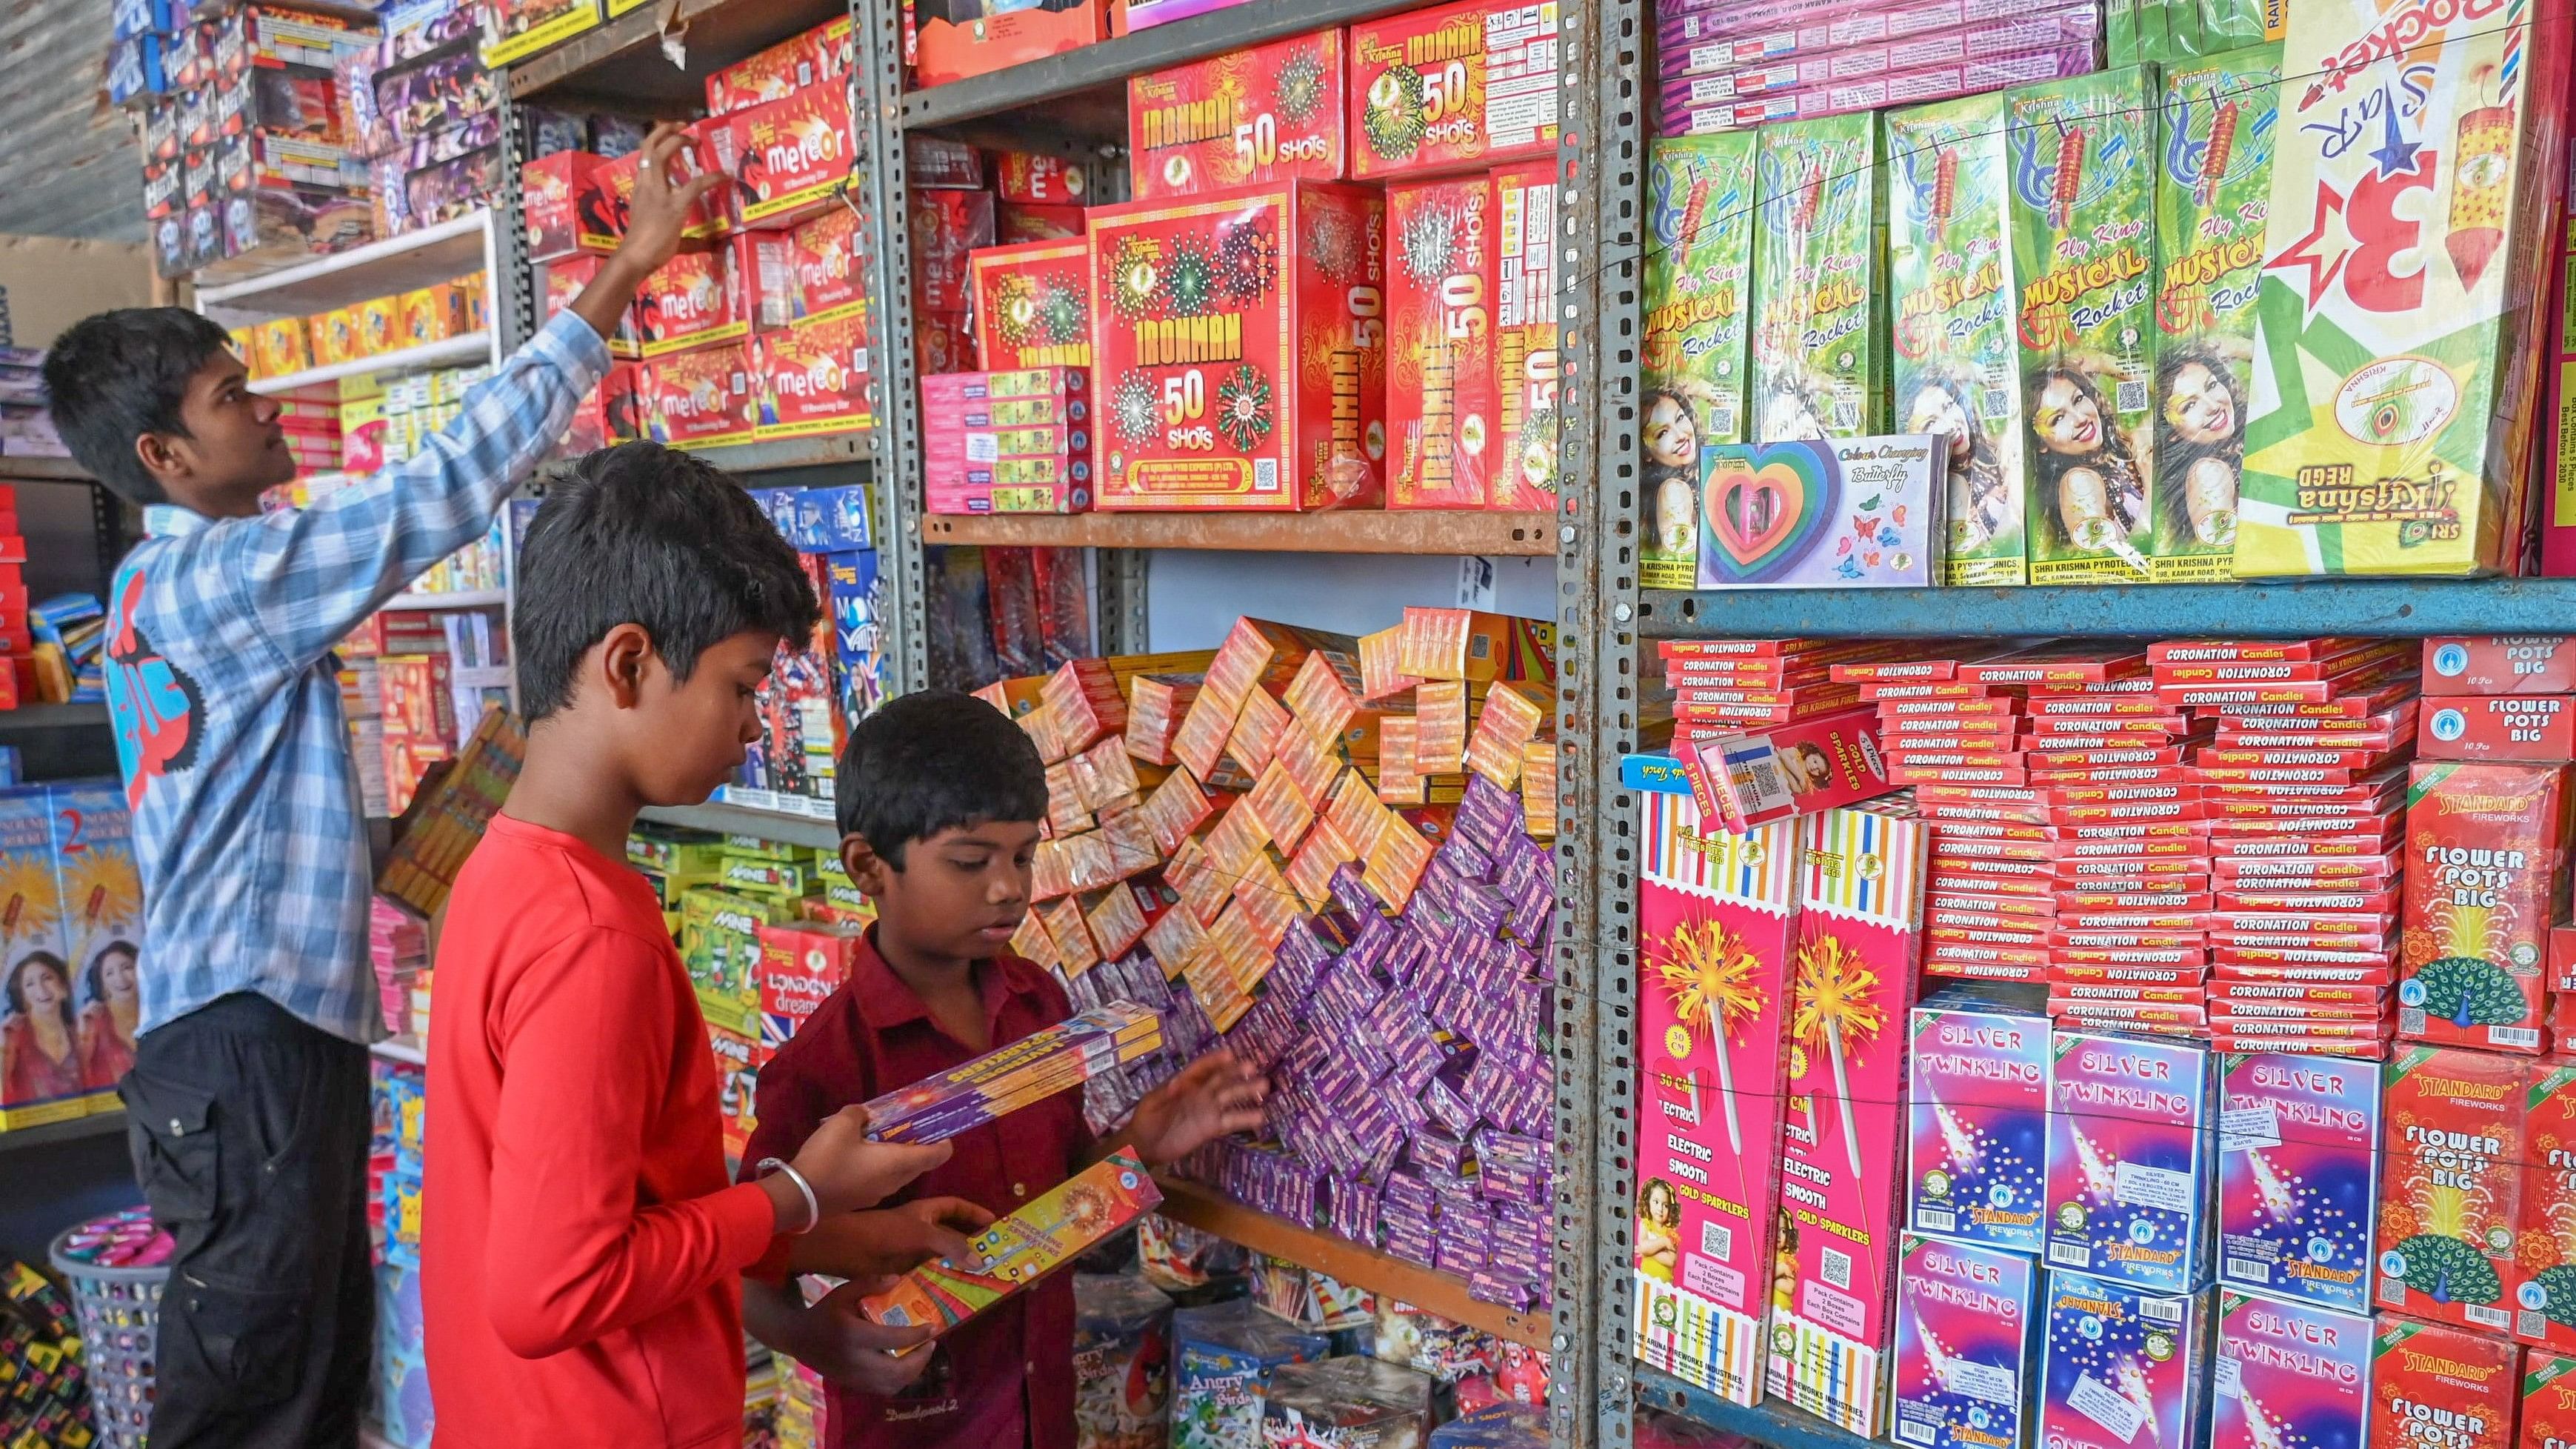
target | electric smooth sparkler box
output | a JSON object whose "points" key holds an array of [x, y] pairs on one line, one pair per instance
{"points": [[1032, 304], [1240, 373], [2123, 1366], [2483, 885], [1452, 88], [1271, 113], [1977, 1108], [2289, 1373], [2450, 1183], [1967, 1345], [2128, 1186], [2437, 1387], [2542, 1287], [1717, 913], [2298, 1175], [1441, 421]]}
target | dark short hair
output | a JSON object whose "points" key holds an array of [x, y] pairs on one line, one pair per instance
{"points": [[116, 376], [934, 761], [643, 534]]}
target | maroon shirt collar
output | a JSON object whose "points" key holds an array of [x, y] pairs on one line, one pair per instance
{"points": [[886, 1001]]}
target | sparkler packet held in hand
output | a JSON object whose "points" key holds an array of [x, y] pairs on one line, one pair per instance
{"points": [[2289, 1373], [2124, 1367], [1977, 1104], [1967, 1337], [2298, 1177], [2128, 1190], [1048, 1234], [1021, 1074]]}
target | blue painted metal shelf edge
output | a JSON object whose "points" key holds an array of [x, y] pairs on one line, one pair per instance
{"points": [[2411, 607], [1773, 1424]]}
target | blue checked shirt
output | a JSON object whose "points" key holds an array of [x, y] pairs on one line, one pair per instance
{"points": [[226, 700]]}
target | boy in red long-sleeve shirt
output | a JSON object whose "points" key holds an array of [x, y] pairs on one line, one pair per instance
{"points": [[580, 1246], [939, 799]]}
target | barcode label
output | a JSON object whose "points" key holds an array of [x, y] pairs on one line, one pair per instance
{"points": [[1265, 474], [2525, 1037], [2163, 1310], [1935, 1220], [1846, 412], [1837, 1267], [2131, 397], [2073, 1255], [1915, 1433], [1717, 1241], [2246, 1270], [2531, 1324], [2486, 1317]]}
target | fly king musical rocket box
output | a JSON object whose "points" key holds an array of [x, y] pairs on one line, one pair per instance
{"points": [[2396, 352], [1977, 1105], [2298, 1159], [1717, 912], [1699, 289], [1240, 350], [1819, 306], [1271, 113]]}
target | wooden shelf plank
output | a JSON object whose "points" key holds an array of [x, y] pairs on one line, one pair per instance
{"points": [[1357, 531], [1207, 1210]]}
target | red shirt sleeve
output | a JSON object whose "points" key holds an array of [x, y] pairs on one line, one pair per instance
{"points": [[585, 1036]]}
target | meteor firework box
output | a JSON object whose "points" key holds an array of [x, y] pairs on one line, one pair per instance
{"points": [[2436, 1387], [2083, 260], [1441, 420], [693, 300], [1977, 1112], [2289, 1373], [697, 399], [1852, 982], [813, 378], [2450, 1184], [829, 257], [2482, 889], [1032, 304], [1699, 209], [2213, 183], [2548, 1402], [1819, 292], [2123, 1367], [1717, 913], [2128, 1183], [2396, 360], [790, 156], [1955, 364], [1242, 364], [2298, 1177], [1525, 468], [1967, 1340], [1267, 114], [2542, 1288], [1453, 87]]}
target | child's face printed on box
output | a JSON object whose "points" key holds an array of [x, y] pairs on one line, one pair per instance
{"points": [[2066, 420], [2200, 407]]}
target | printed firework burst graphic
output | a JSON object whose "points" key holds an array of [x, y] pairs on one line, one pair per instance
{"points": [[1132, 408], [1133, 276], [1062, 314], [1392, 114], [1429, 245], [1710, 974], [1014, 309], [1299, 89], [1189, 279], [1333, 244], [1243, 407], [1247, 264]]}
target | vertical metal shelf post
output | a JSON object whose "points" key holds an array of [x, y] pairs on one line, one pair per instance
{"points": [[876, 81]]}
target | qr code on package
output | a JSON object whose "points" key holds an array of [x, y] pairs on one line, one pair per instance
{"points": [[1717, 1241], [1836, 1266]]}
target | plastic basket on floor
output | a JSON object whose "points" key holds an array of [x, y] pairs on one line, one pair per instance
{"points": [[116, 1266]]}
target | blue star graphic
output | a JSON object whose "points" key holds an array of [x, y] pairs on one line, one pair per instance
{"points": [[2396, 154]]}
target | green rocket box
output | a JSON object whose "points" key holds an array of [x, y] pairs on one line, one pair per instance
{"points": [[1699, 210], [2395, 355], [2083, 262], [1956, 367], [2213, 188], [1819, 293]]}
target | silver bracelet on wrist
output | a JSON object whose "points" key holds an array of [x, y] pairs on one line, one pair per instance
{"points": [[813, 1207]]}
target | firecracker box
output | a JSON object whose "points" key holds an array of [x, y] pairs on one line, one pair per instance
{"points": [[801, 963], [829, 255], [2542, 1287], [1440, 421], [1032, 304], [1967, 1339], [788, 156], [817, 55], [2451, 1180], [1977, 1107], [607, 414], [954, 39], [761, 265], [2433, 1384], [2484, 881], [2289, 1364], [2298, 1175], [518, 29], [1029, 177], [1470, 84], [2123, 1365], [565, 280], [1270, 113], [2129, 1186], [695, 399], [1242, 367], [688, 302], [2530, 664], [1803, 768], [433, 314], [1019, 222], [379, 324], [280, 347], [2522, 727], [603, 197], [550, 191], [2394, 399], [1525, 469], [946, 227], [812, 378], [1007, 442]]}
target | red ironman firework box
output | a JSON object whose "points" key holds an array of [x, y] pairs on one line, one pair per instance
{"points": [[788, 156], [694, 399], [2482, 889], [2542, 1289], [1452, 88], [1241, 346], [1717, 913], [1270, 113], [1032, 304], [2436, 1387], [813, 378], [2539, 728], [1525, 471], [1440, 343], [2450, 1183], [2542, 664]]}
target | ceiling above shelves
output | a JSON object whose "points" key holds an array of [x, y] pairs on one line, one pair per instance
{"points": [[621, 66], [1357, 531]]}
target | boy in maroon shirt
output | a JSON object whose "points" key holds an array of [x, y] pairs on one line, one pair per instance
{"points": [[940, 796]]}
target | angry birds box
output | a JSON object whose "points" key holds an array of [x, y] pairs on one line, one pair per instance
{"points": [[1241, 345]]}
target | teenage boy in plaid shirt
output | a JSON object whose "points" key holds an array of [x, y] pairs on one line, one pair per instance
{"points": [[248, 1096]]}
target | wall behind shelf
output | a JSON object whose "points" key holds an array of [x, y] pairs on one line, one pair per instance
{"points": [[1192, 596]]}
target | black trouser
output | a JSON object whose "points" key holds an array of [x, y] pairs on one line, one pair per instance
{"points": [[250, 1132]]}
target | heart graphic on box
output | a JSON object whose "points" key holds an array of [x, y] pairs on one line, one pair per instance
{"points": [[1762, 510]]}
